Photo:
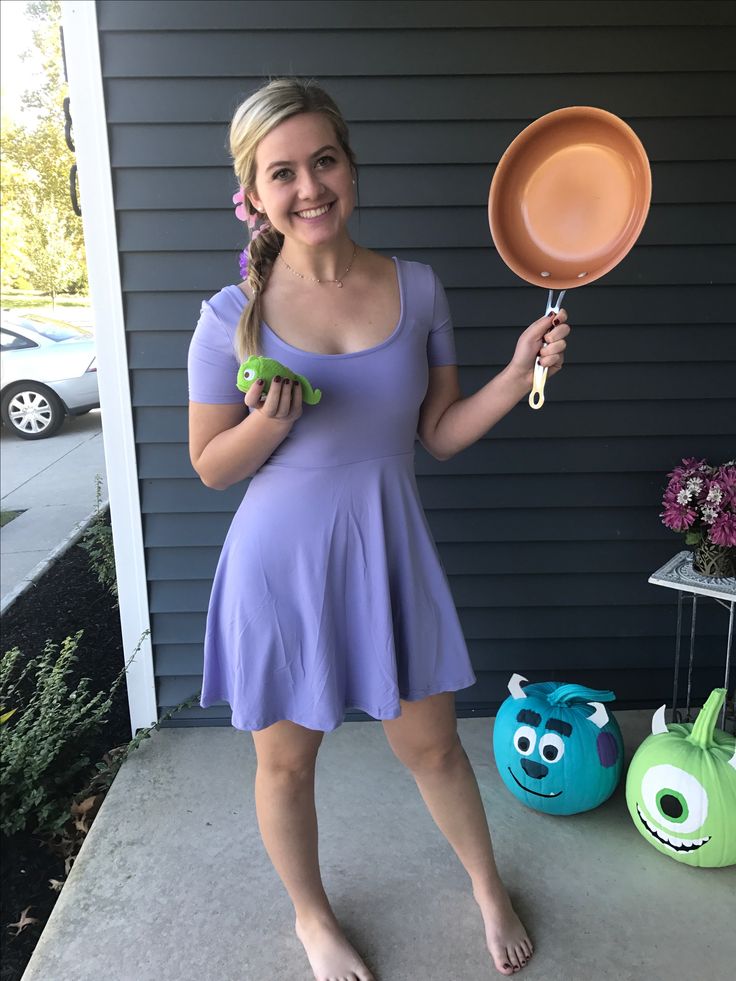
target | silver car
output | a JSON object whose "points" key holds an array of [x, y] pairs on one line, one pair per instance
{"points": [[48, 370]]}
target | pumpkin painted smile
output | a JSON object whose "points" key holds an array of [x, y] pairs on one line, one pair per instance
{"points": [[536, 794], [681, 788], [555, 734], [676, 844]]}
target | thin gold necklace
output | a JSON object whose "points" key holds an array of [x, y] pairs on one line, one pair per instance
{"points": [[314, 279]]}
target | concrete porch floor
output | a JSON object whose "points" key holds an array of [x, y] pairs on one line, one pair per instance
{"points": [[173, 882]]}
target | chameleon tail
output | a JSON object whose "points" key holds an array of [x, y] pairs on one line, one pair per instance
{"points": [[311, 395]]}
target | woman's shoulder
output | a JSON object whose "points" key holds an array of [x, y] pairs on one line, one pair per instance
{"points": [[224, 298], [225, 306], [420, 273], [219, 315], [419, 277]]}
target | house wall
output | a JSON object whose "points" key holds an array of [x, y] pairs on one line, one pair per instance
{"points": [[548, 526]]}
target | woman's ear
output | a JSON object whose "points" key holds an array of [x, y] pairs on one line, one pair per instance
{"points": [[254, 202]]}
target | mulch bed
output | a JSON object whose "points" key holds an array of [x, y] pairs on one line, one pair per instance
{"points": [[66, 599]]}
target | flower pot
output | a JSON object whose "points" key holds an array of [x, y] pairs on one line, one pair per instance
{"points": [[714, 560]]}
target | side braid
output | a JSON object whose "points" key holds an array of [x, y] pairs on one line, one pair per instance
{"points": [[262, 253]]}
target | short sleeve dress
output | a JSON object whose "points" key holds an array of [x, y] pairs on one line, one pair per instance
{"points": [[329, 592]]}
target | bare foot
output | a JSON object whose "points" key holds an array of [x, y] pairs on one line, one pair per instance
{"points": [[507, 941], [331, 956]]}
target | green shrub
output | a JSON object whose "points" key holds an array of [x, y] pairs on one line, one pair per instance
{"points": [[40, 748], [41, 752], [97, 541]]}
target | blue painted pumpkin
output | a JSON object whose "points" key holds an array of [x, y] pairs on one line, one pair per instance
{"points": [[556, 747]]}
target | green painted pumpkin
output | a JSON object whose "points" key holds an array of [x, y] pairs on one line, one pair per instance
{"points": [[681, 788]]}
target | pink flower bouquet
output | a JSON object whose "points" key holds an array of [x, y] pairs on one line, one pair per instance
{"points": [[701, 501]]}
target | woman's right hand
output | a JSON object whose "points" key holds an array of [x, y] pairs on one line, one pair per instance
{"points": [[283, 401]]}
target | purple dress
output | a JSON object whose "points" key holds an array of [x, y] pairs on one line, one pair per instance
{"points": [[329, 592]]}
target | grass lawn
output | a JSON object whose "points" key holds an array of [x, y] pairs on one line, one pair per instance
{"points": [[16, 300]]}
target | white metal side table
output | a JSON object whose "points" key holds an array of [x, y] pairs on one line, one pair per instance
{"points": [[679, 574]]}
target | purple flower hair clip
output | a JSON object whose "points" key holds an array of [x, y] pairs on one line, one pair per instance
{"points": [[239, 200], [257, 224]]}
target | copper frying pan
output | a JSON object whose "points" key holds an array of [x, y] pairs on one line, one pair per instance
{"points": [[567, 202]]}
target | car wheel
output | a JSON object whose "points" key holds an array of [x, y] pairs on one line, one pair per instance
{"points": [[31, 411]]}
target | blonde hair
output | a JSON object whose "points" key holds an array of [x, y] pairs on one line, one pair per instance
{"points": [[253, 119]]}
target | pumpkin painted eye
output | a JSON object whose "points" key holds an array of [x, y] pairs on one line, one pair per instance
{"points": [[551, 747], [525, 739], [674, 798], [249, 374]]}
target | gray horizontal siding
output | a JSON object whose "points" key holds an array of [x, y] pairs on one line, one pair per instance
{"points": [[142, 15], [418, 51], [549, 526], [211, 100]]}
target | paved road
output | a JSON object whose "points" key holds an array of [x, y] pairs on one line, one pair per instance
{"points": [[53, 482]]}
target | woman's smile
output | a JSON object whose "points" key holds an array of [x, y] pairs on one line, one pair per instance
{"points": [[314, 214]]}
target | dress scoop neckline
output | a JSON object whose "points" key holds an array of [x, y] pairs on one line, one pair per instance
{"points": [[349, 354]]}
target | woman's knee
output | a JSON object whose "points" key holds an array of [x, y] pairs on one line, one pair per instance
{"points": [[425, 734], [286, 747]]}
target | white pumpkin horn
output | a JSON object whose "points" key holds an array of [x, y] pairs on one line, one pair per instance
{"points": [[659, 726], [732, 761], [515, 686], [600, 716]]}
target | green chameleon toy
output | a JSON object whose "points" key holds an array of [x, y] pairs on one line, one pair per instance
{"points": [[267, 368]]}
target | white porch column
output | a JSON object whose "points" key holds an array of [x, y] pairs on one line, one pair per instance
{"points": [[82, 49]]}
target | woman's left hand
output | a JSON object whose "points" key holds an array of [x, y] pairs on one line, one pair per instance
{"points": [[543, 338]]}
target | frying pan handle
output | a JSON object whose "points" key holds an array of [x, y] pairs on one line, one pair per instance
{"points": [[536, 396]]}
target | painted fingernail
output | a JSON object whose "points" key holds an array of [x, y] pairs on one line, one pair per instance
{"points": [[277, 378], [556, 321], [296, 384], [260, 381], [287, 381]]}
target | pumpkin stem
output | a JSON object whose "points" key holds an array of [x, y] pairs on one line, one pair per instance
{"points": [[702, 734], [570, 694]]}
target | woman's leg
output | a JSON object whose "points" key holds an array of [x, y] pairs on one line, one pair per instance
{"points": [[424, 738], [287, 819]]}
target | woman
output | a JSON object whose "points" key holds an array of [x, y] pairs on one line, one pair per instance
{"points": [[329, 593]]}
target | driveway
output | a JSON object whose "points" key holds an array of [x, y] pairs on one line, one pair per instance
{"points": [[52, 481]]}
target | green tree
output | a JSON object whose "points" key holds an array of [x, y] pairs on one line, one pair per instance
{"points": [[36, 163], [15, 261], [54, 258]]}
